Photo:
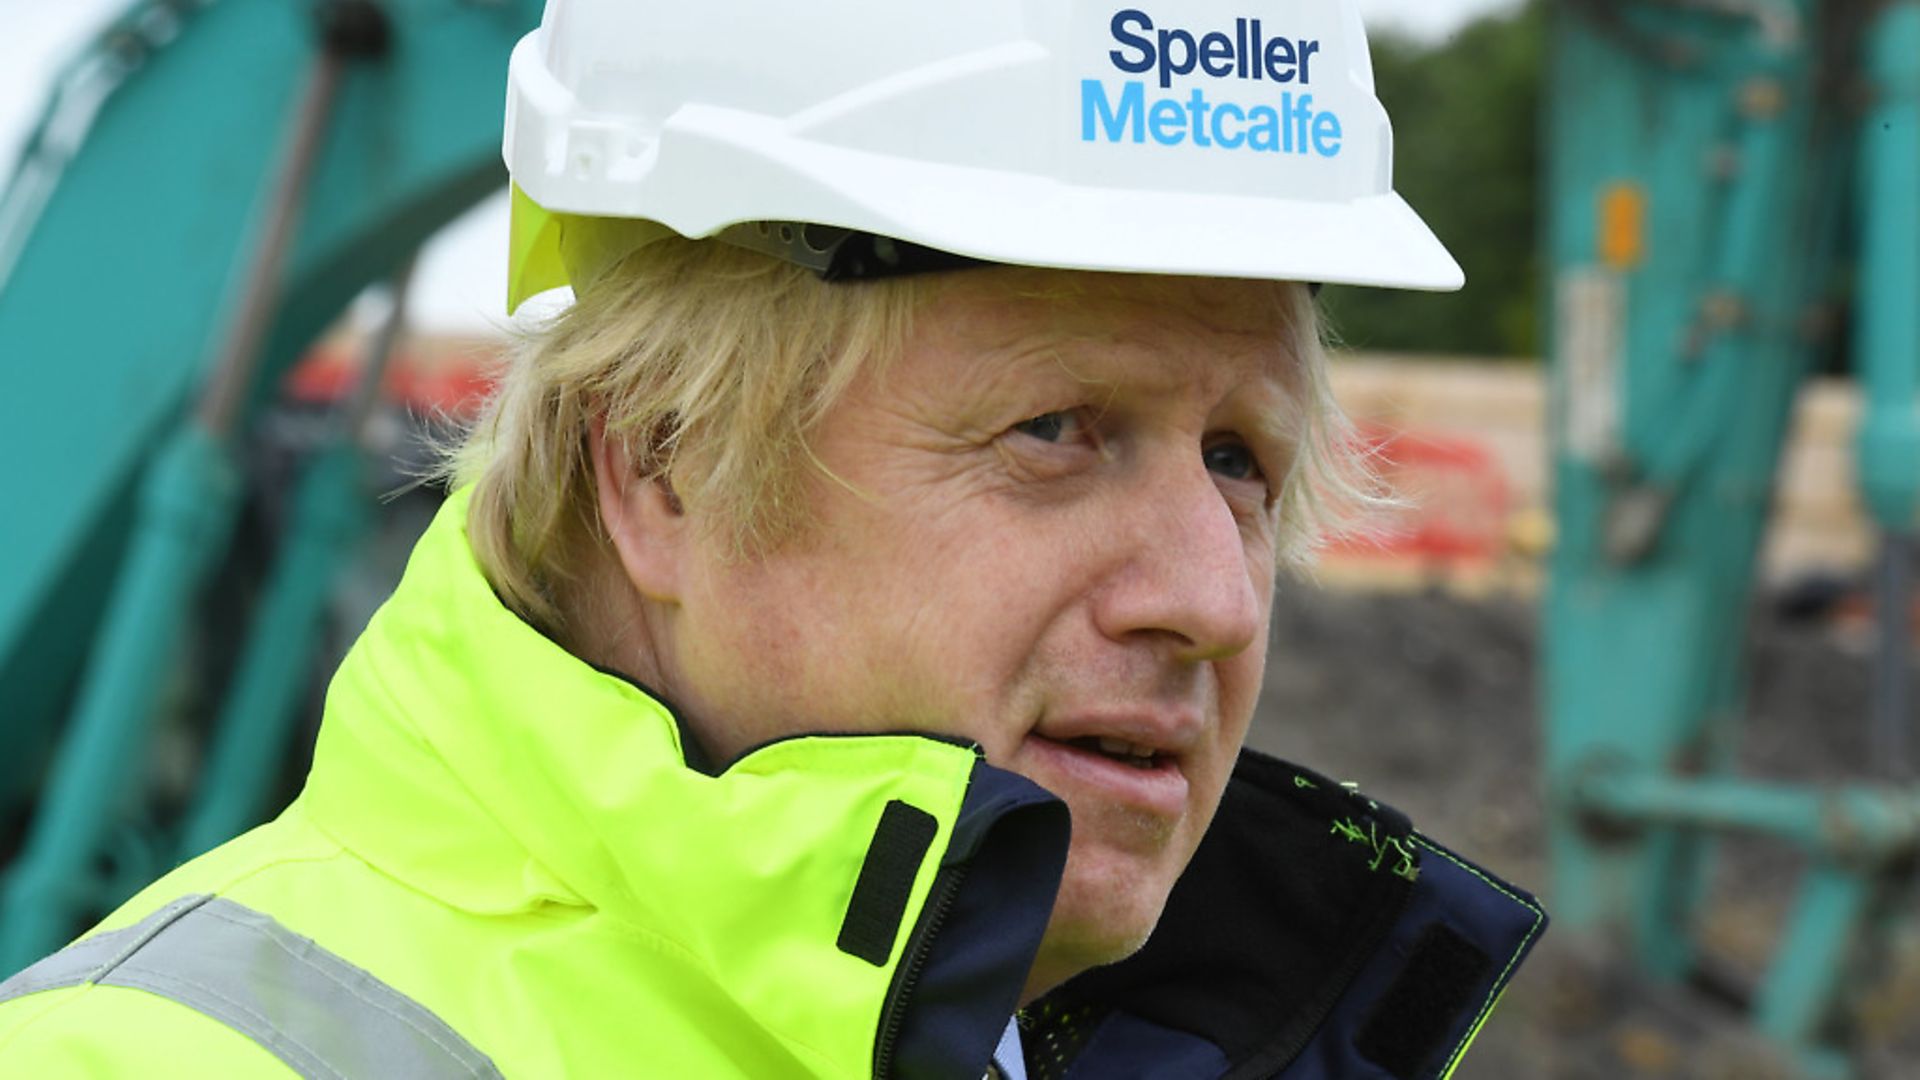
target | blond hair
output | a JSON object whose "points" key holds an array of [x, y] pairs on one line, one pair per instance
{"points": [[713, 365]]}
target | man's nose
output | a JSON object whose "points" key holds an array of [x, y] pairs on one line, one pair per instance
{"points": [[1185, 574]]}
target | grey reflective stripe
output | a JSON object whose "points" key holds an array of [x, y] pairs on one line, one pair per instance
{"points": [[324, 1017]]}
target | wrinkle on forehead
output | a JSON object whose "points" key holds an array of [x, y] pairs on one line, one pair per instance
{"points": [[1229, 305], [1103, 329]]}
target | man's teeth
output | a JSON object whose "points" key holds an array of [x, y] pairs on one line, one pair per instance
{"points": [[1132, 753]]}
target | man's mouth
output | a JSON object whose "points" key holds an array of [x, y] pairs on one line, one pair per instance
{"points": [[1096, 770], [1127, 753]]}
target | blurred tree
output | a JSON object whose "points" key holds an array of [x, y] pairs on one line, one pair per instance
{"points": [[1466, 148]]}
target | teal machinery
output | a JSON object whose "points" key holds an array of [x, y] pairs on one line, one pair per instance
{"points": [[209, 184], [1734, 191]]}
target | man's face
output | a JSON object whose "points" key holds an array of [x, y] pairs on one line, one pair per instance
{"points": [[1052, 532]]}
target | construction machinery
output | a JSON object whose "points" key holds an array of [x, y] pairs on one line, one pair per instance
{"points": [[212, 181], [1734, 193]]}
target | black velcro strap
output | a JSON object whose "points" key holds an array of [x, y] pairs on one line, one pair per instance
{"points": [[1443, 978], [880, 895]]}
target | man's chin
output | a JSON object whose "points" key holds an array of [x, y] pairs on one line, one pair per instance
{"points": [[1094, 923]]}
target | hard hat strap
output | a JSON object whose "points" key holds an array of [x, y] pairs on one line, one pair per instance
{"points": [[841, 255], [837, 254]]}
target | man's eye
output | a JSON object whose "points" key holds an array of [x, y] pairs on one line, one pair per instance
{"points": [[1231, 460], [1052, 427]]}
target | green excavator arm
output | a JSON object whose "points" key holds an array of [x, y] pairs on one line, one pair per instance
{"points": [[130, 232]]}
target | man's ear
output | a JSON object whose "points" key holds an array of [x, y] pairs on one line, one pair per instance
{"points": [[642, 515]]}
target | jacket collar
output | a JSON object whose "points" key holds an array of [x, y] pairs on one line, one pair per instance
{"points": [[468, 756]]}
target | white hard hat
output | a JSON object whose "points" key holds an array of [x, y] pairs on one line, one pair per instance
{"points": [[1203, 137]]}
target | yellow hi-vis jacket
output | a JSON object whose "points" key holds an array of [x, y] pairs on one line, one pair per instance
{"points": [[508, 863]]}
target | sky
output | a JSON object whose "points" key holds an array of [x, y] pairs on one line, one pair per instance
{"points": [[459, 287]]}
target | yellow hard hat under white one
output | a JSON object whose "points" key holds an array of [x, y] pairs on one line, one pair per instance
{"points": [[1207, 137]]}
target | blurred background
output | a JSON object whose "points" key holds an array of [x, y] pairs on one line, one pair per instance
{"points": [[1642, 640]]}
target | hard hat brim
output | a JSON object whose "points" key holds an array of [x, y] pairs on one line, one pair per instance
{"points": [[1031, 220], [1016, 219]]}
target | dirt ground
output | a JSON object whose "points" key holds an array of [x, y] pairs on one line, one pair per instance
{"points": [[1428, 702]]}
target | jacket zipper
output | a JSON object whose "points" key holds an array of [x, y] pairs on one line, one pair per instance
{"points": [[946, 886]]}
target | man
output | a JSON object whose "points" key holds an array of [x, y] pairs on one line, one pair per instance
{"points": [[844, 629]]}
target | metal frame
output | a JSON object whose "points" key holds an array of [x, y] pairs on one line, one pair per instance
{"points": [[284, 164], [1679, 350]]}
